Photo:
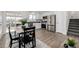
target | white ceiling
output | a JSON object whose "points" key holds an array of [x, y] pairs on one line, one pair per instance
{"points": [[23, 13], [26, 13]]}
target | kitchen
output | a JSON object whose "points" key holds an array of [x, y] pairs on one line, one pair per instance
{"points": [[37, 19], [46, 22]]}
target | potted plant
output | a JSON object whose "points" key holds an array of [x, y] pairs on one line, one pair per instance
{"points": [[70, 43], [23, 22]]}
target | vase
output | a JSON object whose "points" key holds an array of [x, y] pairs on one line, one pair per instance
{"points": [[67, 46], [71, 46]]}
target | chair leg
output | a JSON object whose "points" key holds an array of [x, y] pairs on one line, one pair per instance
{"points": [[10, 44], [24, 45], [33, 43], [19, 44]]}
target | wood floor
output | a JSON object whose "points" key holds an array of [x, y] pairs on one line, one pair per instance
{"points": [[53, 40]]}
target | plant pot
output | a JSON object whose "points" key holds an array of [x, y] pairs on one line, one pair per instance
{"points": [[67, 46], [23, 26], [71, 46]]}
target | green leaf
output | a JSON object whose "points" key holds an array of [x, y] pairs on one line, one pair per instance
{"points": [[71, 42], [23, 21]]}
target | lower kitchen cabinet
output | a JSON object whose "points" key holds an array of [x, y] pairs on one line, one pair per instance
{"points": [[37, 25]]}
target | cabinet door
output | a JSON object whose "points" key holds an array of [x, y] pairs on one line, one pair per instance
{"points": [[37, 25]]}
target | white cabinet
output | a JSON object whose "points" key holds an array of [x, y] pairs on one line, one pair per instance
{"points": [[37, 25]]}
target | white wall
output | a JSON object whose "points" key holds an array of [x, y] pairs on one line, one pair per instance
{"points": [[48, 13], [3, 36], [75, 15], [3, 22], [68, 19], [61, 20]]}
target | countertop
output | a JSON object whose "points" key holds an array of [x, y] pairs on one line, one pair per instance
{"points": [[37, 22]]}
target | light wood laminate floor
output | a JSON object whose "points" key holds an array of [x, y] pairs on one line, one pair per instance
{"points": [[53, 40]]}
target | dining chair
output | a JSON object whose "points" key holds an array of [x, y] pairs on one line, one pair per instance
{"points": [[13, 37], [27, 37]]}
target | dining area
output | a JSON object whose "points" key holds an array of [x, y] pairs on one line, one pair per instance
{"points": [[23, 29], [18, 28], [22, 36]]}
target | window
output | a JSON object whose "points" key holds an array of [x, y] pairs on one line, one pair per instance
{"points": [[12, 21], [32, 17]]}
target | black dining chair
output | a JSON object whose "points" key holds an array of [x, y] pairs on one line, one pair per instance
{"points": [[13, 37], [27, 37]]}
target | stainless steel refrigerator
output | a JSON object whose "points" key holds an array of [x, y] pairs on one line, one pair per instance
{"points": [[51, 23]]}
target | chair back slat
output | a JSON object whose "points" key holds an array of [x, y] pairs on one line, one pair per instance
{"points": [[28, 33], [10, 33], [30, 30]]}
